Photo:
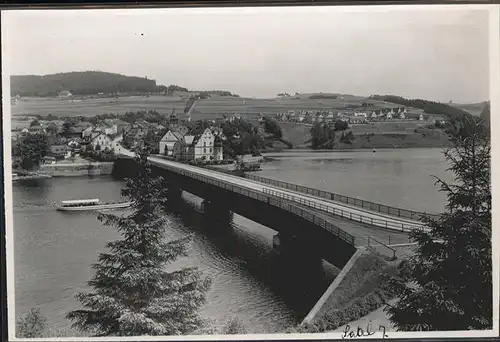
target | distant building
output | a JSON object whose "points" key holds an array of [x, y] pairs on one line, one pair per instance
{"points": [[60, 151], [37, 129], [65, 94], [102, 142]]}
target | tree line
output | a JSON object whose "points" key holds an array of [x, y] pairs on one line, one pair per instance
{"points": [[80, 83], [323, 134]]}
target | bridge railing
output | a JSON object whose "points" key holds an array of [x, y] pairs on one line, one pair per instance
{"points": [[374, 243], [267, 198], [381, 208], [344, 214]]}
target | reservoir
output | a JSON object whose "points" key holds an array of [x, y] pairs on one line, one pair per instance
{"points": [[54, 250]]}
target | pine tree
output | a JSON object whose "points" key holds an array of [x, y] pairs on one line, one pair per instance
{"points": [[132, 293], [449, 279]]}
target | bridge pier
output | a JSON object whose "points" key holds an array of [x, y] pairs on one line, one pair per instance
{"points": [[289, 248], [174, 199], [216, 215]]}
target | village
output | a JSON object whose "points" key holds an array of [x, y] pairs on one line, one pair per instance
{"points": [[359, 117], [101, 140]]}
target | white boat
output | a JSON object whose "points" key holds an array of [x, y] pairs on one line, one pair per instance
{"points": [[90, 204]]}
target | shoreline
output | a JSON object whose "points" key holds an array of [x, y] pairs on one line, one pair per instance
{"points": [[360, 149]]}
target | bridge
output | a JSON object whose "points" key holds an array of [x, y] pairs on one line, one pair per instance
{"points": [[309, 221]]}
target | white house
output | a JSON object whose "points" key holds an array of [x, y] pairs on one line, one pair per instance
{"points": [[402, 115], [96, 132], [389, 115], [421, 117], [102, 142], [204, 145], [374, 115]]}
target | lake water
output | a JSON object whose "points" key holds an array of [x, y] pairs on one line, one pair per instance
{"points": [[396, 177], [54, 250]]}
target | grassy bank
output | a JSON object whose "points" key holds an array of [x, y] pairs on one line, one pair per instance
{"points": [[363, 290]]}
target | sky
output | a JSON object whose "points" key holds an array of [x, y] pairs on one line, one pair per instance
{"points": [[427, 53]]}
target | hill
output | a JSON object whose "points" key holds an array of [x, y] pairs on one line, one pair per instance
{"points": [[213, 107], [80, 83], [472, 108]]}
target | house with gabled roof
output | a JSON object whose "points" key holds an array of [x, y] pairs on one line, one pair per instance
{"points": [[101, 142], [170, 143]]}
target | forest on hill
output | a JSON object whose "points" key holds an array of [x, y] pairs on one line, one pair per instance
{"points": [[82, 83]]}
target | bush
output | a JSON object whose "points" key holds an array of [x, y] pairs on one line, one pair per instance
{"points": [[359, 307], [31, 324], [234, 327]]}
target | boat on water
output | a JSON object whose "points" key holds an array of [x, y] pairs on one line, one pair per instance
{"points": [[17, 177], [90, 204]]}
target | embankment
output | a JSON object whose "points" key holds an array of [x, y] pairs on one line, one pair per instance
{"points": [[358, 290], [77, 169]]}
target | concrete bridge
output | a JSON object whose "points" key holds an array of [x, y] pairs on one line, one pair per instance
{"points": [[310, 226]]}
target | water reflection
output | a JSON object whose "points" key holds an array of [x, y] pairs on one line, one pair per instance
{"points": [[299, 282], [54, 251], [396, 177]]}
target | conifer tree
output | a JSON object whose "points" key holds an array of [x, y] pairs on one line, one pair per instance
{"points": [[132, 293], [449, 279]]}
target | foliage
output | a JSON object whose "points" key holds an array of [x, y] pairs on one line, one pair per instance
{"points": [[242, 138], [81, 83], [347, 138], [450, 273], [150, 116], [67, 127], [341, 125], [198, 127], [283, 95], [322, 136], [133, 294], [31, 324], [98, 155], [359, 307], [31, 149], [322, 96], [271, 126], [170, 89], [234, 327]]}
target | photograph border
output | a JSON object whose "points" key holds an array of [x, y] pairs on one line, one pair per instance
{"points": [[494, 57]]}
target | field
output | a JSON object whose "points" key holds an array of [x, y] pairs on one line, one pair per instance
{"points": [[387, 127], [217, 106], [206, 109], [96, 106]]}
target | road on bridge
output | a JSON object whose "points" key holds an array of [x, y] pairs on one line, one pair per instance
{"points": [[372, 218]]}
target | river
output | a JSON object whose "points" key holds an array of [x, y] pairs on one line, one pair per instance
{"points": [[54, 250]]}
